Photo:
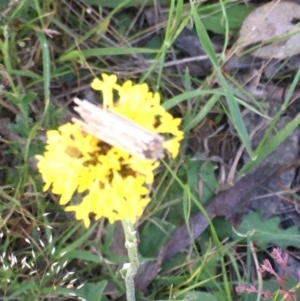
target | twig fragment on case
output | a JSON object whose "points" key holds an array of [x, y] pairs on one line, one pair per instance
{"points": [[118, 131]]}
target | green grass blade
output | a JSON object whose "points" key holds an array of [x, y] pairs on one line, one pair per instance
{"points": [[261, 145], [235, 112], [291, 90], [203, 112], [46, 69], [272, 144], [103, 51], [172, 102], [26, 73]]}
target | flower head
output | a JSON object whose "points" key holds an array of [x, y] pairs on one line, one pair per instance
{"points": [[113, 183], [143, 107]]}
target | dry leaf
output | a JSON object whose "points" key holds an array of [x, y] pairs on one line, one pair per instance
{"points": [[274, 24]]}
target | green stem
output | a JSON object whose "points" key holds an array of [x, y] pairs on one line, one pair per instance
{"points": [[130, 269]]}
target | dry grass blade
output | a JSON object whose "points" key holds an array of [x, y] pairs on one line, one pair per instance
{"points": [[118, 131]]}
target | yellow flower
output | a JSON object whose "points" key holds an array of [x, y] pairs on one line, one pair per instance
{"points": [[143, 107], [106, 86], [114, 183]]}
